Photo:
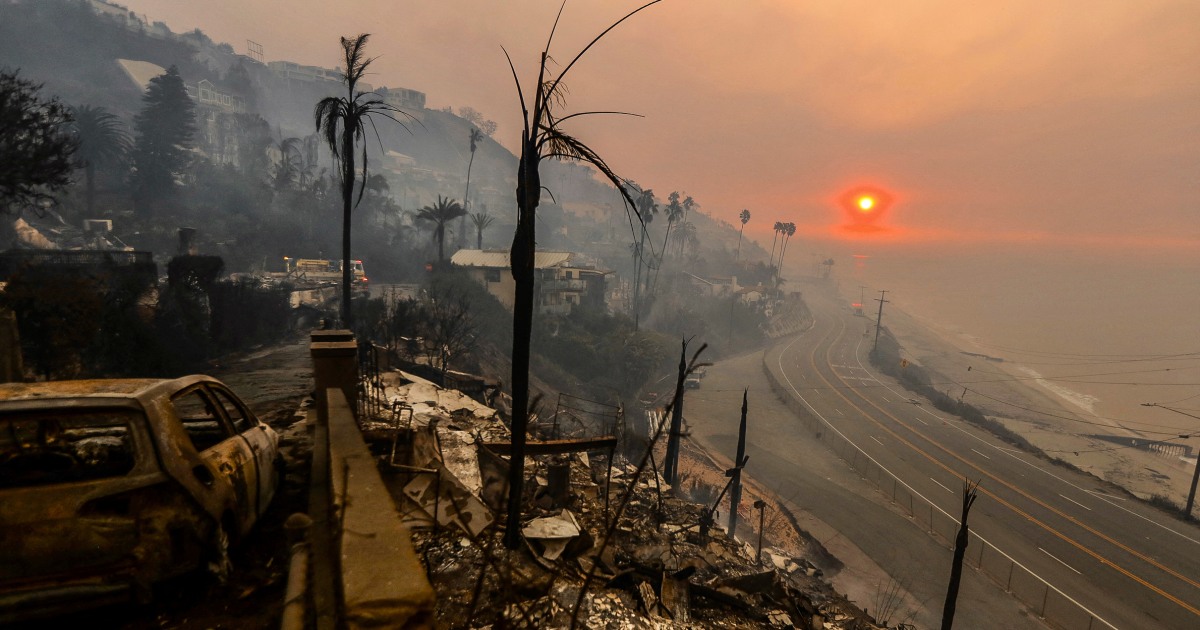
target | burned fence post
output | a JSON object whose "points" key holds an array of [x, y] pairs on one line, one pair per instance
{"points": [[762, 519]]}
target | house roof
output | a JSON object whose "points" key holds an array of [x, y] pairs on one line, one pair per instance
{"points": [[498, 258], [140, 72]]}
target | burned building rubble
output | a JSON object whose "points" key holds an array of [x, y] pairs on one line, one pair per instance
{"points": [[607, 542]]}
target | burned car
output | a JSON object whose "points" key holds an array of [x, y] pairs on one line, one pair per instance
{"points": [[108, 486]]}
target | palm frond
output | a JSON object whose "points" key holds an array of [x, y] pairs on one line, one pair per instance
{"points": [[598, 38], [563, 146], [595, 113], [520, 94]]}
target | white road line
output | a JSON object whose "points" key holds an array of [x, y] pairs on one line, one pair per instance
{"points": [[921, 421], [1075, 502], [915, 492], [876, 439], [839, 411], [1060, 561], [981, 454], [885, 399], [1010, 452], [943, 487], [1106, 496]]}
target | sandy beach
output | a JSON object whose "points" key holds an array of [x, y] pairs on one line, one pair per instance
{"points": [[1062, 416]]}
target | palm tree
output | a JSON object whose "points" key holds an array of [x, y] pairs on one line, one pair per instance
{"points": [[342, 122], [789, 229], [688, 205], [675, 212], [542, 137], [647, 208], [441, 213], [475, 136], [291, 162], [102, 140], [481, 220], [778, 228], [745, 217]]}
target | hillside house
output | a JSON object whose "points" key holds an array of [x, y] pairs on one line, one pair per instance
{"points": [[562, 283]]}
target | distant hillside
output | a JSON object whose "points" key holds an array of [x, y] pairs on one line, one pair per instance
{"points": [[73, 47]]}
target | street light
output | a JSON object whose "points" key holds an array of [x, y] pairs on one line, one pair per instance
{"points": [[1187, 509]]}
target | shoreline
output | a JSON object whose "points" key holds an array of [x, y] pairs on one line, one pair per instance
{"points": [[1059, 420]]}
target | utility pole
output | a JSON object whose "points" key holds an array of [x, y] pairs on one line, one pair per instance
{"points": [[735, 493], [1191, 500], [879, 320]]}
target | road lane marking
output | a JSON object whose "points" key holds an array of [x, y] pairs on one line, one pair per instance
{"points": [[1074, 501], [916, 492], [1046, 526], [1060, 561], [885, 399], [981, 454], [839, 411], [943, 487], [1010, 452], [876, 439], [921, 421]]}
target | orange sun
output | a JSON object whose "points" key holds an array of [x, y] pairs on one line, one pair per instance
{"points": [[865, 208]]}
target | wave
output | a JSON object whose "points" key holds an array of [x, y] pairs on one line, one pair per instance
{"points": [[1086, 402]]}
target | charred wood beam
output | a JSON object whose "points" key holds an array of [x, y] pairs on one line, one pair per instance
{"points": [[556, 447]]}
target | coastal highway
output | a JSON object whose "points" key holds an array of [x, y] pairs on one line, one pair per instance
{"points": [[1127, 564]]}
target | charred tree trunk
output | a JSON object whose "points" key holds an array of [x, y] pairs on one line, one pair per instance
{"points": [[970, 493], [347, 205], [735, 492], [529, 190], [671, 464]]}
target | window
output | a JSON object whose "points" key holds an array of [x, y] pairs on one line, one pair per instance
{"points": [[61, 446], [491, 275], [233, 411], [200, 418]]}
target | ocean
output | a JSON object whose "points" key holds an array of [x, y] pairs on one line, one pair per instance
{"points": [[1107, 325]]}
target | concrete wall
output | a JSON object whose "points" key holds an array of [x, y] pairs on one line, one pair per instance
{"points": [[383, 582]]}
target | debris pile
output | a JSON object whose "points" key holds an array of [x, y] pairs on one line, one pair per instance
{"points": [[606, 544]]}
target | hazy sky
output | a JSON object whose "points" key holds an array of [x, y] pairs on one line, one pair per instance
{"points": [[1076, 120]]}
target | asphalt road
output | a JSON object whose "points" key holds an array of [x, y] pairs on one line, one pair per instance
{"points": [[1119, 561], [877, 541]]}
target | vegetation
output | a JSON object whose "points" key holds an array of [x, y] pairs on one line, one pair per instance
{"points": [[102, 141], [915, 378], [342, 122], [164, 127], [745, 218], [481, 221], [439, 214], [36, 147]]}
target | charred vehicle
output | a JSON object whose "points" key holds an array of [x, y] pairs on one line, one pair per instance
{"points": [[108, 486]]}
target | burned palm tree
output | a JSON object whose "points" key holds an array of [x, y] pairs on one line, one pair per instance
{"points": [[342, 122], [970, 493], [542, 137]]}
